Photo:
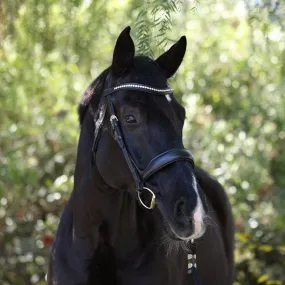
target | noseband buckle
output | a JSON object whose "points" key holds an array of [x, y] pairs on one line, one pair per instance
{"points": [[152, 201]]}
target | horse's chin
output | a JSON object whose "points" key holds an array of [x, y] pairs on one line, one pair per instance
{"points": [[173, 235], [170, 232], [172, 242]]}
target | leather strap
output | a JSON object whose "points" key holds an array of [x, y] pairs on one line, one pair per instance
{"points": [[192, 263], [164, 159], [120, 140], [98, 122]]}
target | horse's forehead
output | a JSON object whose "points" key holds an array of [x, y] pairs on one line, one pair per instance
{"points": [[146, 71], [144, 62]]}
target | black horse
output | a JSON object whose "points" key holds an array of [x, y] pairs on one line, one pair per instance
{"points": [[139, 201]]}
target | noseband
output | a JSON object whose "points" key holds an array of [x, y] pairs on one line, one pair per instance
{"points": [[157, 163]]}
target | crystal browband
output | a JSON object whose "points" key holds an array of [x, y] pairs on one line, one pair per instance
{"points": [[138, 87]]}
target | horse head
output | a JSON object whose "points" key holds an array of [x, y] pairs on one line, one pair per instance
{"points": [[141, 132]]}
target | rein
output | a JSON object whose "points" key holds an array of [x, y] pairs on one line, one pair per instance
{"points": [[157, 163]]}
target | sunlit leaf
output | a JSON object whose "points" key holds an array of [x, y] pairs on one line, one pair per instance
{"points": [[266, 248], [281, 248], [262, 279]]}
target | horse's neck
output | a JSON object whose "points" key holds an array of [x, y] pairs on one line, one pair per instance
{"points": [[129, 226], [120, 211]]}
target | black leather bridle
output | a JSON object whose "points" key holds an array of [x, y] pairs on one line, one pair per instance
{"points": [[157, 163], [160, 161]]}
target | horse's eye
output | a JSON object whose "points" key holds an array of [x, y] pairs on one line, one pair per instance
{"points": [[130, 119]]}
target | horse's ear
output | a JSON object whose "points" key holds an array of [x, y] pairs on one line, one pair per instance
{"points": [[171, 59], [123, 53]]}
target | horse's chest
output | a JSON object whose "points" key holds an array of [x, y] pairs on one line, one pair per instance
{"points": [[140, 258], [149, 265], [155, 270]]}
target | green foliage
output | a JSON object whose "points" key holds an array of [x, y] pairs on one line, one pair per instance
{"points": [[153, 23], [231, 83]]}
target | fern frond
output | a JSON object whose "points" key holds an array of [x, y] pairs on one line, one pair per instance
{"points": [[195, 6], [153, 23]]}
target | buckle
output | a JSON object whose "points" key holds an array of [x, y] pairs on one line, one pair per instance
{"points": [[114, 121], [151, 203], [113, 118]]}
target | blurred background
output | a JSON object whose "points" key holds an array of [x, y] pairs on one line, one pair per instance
{"points": [[231, 82]]}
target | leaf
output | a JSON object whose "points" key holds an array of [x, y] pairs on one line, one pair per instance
{"points": [[274, 282], [244, 237], [155, 18], [263, 278], [281, 248], [265, 248]]}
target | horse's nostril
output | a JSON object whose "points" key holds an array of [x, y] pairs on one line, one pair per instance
{"points": [[182, 213], [180, 208]]}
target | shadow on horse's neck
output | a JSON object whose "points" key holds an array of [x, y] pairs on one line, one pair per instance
{"points": [[130, 230], [127, 221]]}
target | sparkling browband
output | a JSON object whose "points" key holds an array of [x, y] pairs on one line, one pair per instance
{"points": [[139, 87]]}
